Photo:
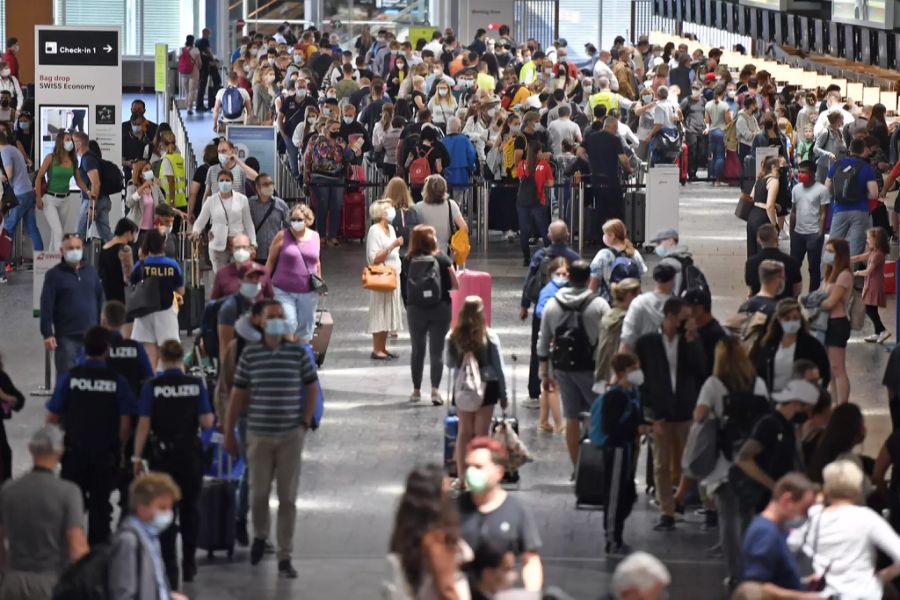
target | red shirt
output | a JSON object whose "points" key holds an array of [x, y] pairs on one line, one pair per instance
{"points": [[228, 281], [542, 174], [10, 57]]}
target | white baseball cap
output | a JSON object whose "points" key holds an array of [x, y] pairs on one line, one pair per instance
{"points": [[798, 390]]}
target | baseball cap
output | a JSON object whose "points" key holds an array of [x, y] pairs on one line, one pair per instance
{"points": [[46, 440], [710, 77], [698, 297], [562, 42], [665, 234], [663, 273], [252, 268], [798, 390]]}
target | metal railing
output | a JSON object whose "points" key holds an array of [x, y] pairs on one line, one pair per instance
{"points": [[183, 141]]}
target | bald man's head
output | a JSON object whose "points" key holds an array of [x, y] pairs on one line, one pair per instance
{"points": [[558, 232]]}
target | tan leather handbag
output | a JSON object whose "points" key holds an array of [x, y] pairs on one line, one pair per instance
{"points": [[379, 278]]}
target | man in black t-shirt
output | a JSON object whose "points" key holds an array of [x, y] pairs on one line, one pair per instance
{"points": [[604, 152], [488, 513], [772, 282], [771, 450], [767, 236]]}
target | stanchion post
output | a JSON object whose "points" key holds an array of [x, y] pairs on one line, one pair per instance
{"points": [[46, 389], [486, 205], [581, 217]]}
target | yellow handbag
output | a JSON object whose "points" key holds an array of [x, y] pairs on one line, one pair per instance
{"points": [[379, 278], [460, 247]]}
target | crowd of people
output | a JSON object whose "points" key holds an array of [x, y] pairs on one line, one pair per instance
{"points": [[749, 418]]}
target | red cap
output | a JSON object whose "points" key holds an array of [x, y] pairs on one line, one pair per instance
{"points": [[710, 77]]}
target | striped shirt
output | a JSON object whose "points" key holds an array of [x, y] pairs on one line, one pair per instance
{"points": [[275, 378]]}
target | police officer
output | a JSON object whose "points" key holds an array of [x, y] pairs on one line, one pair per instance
{"points": [[172, 408], [94, 404]]}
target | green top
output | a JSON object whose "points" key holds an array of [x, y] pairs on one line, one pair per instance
{"points": [[60, 176]]}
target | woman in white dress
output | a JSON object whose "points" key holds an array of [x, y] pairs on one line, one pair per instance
{"points": [[383, 247]]}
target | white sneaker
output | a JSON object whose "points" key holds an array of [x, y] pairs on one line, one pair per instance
{"points": [[883, 337], [532, 403], [783, 235], [872, 338]]}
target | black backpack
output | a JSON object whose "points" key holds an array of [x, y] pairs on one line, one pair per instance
{"points": [[111, 178], [209, 327], [846, 182], [88, 579], [423, 282], [572, 349], [740, 413], [691, 276], [538, 279]]}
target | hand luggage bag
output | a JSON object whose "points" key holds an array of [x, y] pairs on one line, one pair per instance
{"points": [[590, 481], [682, 163], [218, 510], [472, 283], [451, 429], [322, 334], [93, 244], [510, 476], [353, 216], [636, 216], [190, 314]]}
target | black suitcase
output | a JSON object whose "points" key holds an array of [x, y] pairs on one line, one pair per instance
{"points": [[190, 315], [636, 216], [218, 512], [749, 173], [590, 482], [509, 476], [92, 245]]}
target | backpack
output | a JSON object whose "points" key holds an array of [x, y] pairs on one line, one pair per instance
{"points": [[740, 413], [701, 449], [232, 103], [691, 276], [88, 578], [508, 95], [749, 327], [856, 311], [420, 169], [622, 267], [423, 282], [509, 154], [731, 136], [846, 182], [538, 279], [185, 64], [468, 390], [209, 327], [597, 433], [111, 179], [572, 349], [528, 192]]}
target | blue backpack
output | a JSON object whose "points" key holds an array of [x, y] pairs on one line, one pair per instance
{"points": [[622, 267], [232, 103], [597, 433]]}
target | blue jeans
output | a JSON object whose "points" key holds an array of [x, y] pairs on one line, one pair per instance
{"points": [[851, 225], [101, 218], [24, 211], [66, 354], [810, 246], [329, 194], [528, 216], [293, 157], [717, 153], [299, 311]]}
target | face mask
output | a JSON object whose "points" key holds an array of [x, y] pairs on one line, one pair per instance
{"points": [[73, 256], [780, 289], [560, 281], [311, 120], [298, 224], [800, 418], [828, 257], [241, 255], [249, 290], [147, 175], [24, 125], [223, 158], [162, 521], [301, 93], [400, 66], [225, 187], [515, 128], [731, 93], [476, 480], [5, 72], [790, 327], [271, 61], [298, 58], [331, 95], [348, 120], [647, 99], [270, 78], [635, 378], [267, 190], [442, 92], [805, 178], [390, 213], [326, 112], [661, 251], [276, 327]]}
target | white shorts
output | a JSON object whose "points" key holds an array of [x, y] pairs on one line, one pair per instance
{"points": [[156, 328]]}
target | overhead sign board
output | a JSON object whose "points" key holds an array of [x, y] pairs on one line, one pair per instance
{"points": [[78, 47]]}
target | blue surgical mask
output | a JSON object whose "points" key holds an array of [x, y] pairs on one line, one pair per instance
{"points": [[560, 281], [162, 521], [661, 251], [73, 256], [249, 290], [276, 327], [225, 187]]}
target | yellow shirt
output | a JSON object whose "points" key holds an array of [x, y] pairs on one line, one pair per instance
{"points": [[521, 96], [485, 82]]}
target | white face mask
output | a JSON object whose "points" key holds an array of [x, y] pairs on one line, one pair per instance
{"points": [[68, 145], [348, 120], [250, 290], [298, 224], [443, 91], [73, 256], [790, 327], [241, 255], [390, 213], [162, 520], [223, 158], [636, 378], [267, 190], [147, 175]]}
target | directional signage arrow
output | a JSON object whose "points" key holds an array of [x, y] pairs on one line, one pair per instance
{"points": [[107, 48]]}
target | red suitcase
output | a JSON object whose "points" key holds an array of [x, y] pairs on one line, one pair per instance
{"points": [[472, 283], [682, 162], [353, 216]]}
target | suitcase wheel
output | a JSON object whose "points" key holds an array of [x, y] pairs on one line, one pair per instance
{"points": [[650, 490], [209, 554]]}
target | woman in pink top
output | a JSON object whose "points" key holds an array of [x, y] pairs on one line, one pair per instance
{"points": [[293, 259], [839, 286], [142, 197], [877, 247]]}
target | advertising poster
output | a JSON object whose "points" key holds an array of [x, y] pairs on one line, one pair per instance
{"points": [[484, 14], [160, 70], [257, 141]]}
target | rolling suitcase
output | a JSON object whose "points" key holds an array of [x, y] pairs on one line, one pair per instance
{"points": [[218, 511], [322, 334], [636, 216], [590, 480], [649, 480], [353, 216], [509, 476], [93, 244], [472, 283], [682, 162], [190, 314]]}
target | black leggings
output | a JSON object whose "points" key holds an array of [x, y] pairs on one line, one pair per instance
{"points": [[872, 312]]}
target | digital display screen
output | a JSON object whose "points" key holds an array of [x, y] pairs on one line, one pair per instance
{"points": [[869, 13]]}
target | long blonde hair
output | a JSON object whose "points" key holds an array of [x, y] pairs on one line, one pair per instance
{"points": [[470, 333], [733, 367], [617, 229], [398, 193]]}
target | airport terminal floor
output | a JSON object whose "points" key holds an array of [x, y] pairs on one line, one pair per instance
{"points": [[355, 464]]}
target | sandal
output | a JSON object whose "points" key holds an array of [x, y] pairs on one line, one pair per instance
{"points": [[374, 356], [545, 429]]}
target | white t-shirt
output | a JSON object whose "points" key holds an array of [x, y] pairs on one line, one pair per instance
{"points": [[664, 114], [601, 69], [783, 366], [845, 540], [711, 396], [562, 129], [807, 204], [245, 97]]}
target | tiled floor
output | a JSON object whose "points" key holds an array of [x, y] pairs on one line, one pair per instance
{"points": [[354, 466]]}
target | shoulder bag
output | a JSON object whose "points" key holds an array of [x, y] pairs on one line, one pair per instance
{"points": [[460, 246], [316, 283], [379, 278], [9, 200], [143, 298]]}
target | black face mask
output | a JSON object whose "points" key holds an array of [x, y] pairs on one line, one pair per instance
{"points": [[800, 418], [4, 103], [682, 327], [137, 115]]}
